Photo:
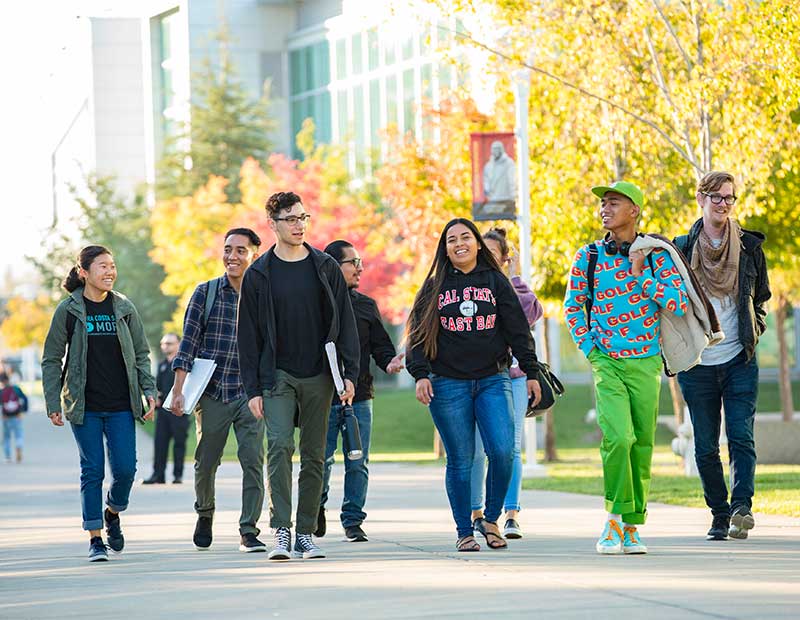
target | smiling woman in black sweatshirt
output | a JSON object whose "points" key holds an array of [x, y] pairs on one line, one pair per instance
{"points": [[465, 318]]}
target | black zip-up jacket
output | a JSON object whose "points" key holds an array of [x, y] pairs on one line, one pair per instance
{"points": [[256, 332], [374, 341], [753, 283], [480, 318]]}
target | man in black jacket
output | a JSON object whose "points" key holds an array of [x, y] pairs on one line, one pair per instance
{"points": [[375, 342], [294, 300], [730, 265], [168, 426]]}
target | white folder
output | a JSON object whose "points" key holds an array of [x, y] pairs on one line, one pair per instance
{"points": [[195, 384]]}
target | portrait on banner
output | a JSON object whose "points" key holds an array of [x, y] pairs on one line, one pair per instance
{"points": [[494, 176]]}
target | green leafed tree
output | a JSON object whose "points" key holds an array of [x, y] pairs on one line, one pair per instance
{"points": [[123, 226], [226, 127]]}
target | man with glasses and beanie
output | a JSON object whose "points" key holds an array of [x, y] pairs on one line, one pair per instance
{"points": [[729, 264], [612, 308], [168, 426], [374, 342], [294, 301]]}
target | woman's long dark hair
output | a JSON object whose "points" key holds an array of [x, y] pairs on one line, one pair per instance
{"points": [[85, 260], [423, 323]]}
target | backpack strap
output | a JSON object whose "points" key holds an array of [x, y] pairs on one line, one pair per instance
{"points": [[593, 252], [212, 292], [70, 325]]}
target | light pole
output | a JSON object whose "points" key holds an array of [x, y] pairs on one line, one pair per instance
{"points": [[522, 91]]}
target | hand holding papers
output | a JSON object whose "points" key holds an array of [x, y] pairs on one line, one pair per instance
{"points": [[351, 436], [194, 386]]}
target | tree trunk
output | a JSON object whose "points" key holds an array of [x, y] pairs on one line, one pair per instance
{"points": [[784, 376], [550, 454], [678, 403]]}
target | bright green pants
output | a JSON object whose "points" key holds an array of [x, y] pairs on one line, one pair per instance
{"points": [[627, 406]]}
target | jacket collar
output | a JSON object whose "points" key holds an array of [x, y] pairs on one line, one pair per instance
{"points": [[261, 264], [750, 239], [122, 305]]}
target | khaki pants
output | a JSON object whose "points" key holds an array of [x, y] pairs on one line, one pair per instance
{"points": [[311, 400], [214, 420]]}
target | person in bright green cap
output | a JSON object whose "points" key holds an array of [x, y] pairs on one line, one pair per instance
{"points": [[612, 310]]}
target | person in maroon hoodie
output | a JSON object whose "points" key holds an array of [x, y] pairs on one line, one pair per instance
{"points": [[464, 319], [495, 240]]}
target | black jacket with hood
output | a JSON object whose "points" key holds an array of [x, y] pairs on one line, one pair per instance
{"points": [[480, 318], [753, 283], [256, 333]]}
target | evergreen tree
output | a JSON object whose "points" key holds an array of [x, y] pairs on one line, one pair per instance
{"points": [[226, 127]]}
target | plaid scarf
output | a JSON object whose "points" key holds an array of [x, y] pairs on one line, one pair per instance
{"points": [[718, 268]]}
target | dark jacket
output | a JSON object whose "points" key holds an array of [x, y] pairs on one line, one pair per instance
{"points": [[256, 331], [753, 283], [165, 377], [480, 317], [69, 397], [373, 340]]}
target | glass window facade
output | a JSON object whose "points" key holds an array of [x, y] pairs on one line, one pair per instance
{"points": [[354, 84]]}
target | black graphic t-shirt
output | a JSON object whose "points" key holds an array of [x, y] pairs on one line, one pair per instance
{"points": [[106, 379]]}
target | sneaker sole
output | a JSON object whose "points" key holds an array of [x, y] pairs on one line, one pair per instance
{"points": [[608, 550], [244, 549], [716, 537], [279, 555], [743, 522], [300, 555], [355, 539], [640, 550], [738, 535], [513, 534], [199, 548], [99, 558]]}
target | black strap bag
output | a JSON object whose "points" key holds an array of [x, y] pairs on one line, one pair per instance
{"points": [[551, 389]]}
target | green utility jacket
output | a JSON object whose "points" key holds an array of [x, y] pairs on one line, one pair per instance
{"points": [[69, 398]]}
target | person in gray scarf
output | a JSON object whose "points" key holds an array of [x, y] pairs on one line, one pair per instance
{"points": [[730, 266]]}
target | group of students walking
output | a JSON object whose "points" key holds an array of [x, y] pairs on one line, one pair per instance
{"points": [[266, 322]]}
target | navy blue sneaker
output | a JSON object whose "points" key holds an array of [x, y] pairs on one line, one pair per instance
{"points": [[116, 541], [97, 550]]}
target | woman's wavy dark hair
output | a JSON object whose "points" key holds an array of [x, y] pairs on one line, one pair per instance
{"points": [[423, 323], [85, 260]]}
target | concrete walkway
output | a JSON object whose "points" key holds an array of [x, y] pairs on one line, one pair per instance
{"points": [[409, 569]]}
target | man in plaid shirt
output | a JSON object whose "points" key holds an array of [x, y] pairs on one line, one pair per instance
{"points": [[224, 402]]}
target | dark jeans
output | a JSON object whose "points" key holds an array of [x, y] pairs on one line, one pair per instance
{"points": [[356, 474], [706, 389], [457, 406], [120, 433], [176, 428]]}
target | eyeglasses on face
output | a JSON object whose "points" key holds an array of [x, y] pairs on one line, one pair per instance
{"points": [[293, 219], [357, 262], [718, 198]]}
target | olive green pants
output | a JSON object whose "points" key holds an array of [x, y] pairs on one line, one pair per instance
{"points": [[627, 393], [311, 400], [214, 420]]}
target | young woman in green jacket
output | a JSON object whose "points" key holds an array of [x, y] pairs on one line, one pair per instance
{"points": [[98, 388]]}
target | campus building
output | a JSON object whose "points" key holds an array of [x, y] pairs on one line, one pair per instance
{"points": [[353, 67]]}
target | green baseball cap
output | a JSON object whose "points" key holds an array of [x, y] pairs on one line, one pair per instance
{"points": [[621, 187]]}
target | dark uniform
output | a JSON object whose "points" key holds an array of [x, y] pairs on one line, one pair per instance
{"points": [[168, 426]]}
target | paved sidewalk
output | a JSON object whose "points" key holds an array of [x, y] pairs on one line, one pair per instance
{"points": [[409, 569]]}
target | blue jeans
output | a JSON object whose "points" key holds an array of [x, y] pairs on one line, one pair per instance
{"points": [[457, 405], [356, 474], [519, 393], [706, 389], [12, 425], [120, 433]]}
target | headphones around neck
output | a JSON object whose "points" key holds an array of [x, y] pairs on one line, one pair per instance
{"points": [[624, 248]]}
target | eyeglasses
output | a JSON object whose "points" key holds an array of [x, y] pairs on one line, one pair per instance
{"points": [[293, 219], [357, 262], [717, 199], [170, 343]]}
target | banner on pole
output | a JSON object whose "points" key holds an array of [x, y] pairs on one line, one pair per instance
{"points": [[494, 176]]}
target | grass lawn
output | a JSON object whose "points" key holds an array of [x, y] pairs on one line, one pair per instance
{"points": [[580, 471]]}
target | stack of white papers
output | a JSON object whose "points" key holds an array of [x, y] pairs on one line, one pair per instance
{"points": [[195, 384]]}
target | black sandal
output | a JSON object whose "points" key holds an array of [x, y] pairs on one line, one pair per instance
{"points": [[463, 544], [499, 543]]}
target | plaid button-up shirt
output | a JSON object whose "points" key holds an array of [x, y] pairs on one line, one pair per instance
{"points": [[217, 341]]}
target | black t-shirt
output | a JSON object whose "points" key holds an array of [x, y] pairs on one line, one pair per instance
{"points": [[298, 298], [106, 379]]}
